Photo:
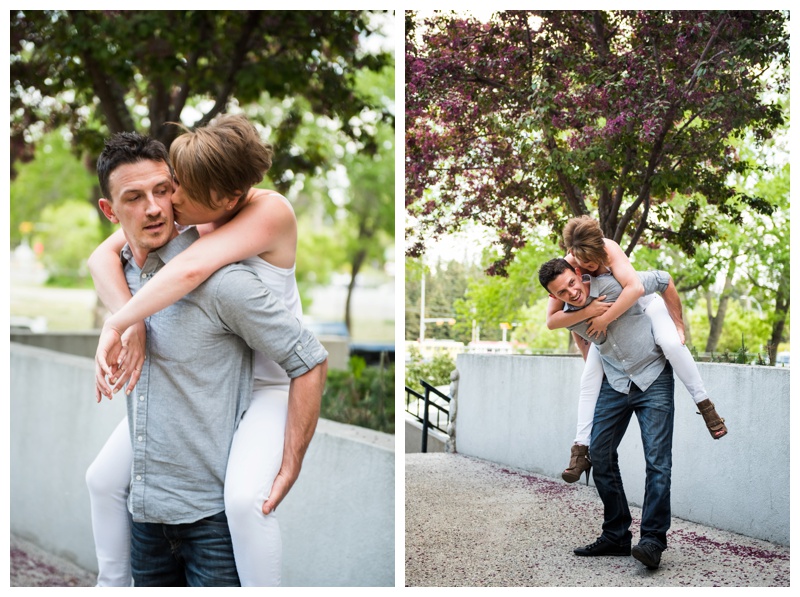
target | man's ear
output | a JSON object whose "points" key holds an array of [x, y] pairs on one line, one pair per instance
{"points": [[552, 297], [108, 210], [578, 272]]}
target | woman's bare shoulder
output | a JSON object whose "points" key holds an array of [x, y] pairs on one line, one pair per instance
{"points": [[269, 199], [613, 249]]}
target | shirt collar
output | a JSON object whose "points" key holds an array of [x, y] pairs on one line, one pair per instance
{"points": [[594, 291], [174, 247]]}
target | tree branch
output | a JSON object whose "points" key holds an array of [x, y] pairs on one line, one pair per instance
{"points": [[602, 43], [108, 91], [242, 46], [706, 50]]}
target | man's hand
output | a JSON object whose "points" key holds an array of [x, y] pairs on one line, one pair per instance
{"points": [[675, 309], [681, 334], [101, 387], [280, 487]]}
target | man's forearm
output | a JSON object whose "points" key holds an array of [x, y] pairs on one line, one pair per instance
{"points": [[673, 302], [305, 395], [581, 343]]}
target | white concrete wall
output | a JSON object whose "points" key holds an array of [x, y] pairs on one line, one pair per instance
{"points": [[522, 411], [337, 523], [413, 440], [85, 344]]}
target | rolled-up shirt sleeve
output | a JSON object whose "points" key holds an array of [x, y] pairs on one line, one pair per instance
{"points": [[308, 353], [249, 310]]}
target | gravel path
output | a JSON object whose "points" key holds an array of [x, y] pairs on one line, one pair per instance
{"points": [[471, 522], [34, 567]]}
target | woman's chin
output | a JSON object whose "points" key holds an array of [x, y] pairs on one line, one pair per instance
{"points": [[181, 221]]}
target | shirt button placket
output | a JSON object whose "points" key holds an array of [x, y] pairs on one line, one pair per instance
{"points": [[139, 446]]}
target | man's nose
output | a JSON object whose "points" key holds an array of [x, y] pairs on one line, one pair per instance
{"points": [[153, 207]]}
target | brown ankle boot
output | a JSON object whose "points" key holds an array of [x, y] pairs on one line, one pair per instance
{"points": [[715, 423], [579, 462]]}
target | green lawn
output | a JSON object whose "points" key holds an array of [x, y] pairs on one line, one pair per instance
{"points": [[69, 309], [65, 309]]}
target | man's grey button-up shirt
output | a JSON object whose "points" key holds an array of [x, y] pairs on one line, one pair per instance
{"points": [[197, 382], [628, 350]]}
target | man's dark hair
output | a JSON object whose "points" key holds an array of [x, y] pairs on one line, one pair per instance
{"points": [[552, 270], [128, 148]]}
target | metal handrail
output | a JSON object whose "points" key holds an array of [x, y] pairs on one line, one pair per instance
{"points": [[441, 412]]}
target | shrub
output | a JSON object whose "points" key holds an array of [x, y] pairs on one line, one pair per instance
{"points": [[435, 371], [362, 396]]}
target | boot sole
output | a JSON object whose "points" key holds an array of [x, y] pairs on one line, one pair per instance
{"points": [[572, 477], [621, 553]]}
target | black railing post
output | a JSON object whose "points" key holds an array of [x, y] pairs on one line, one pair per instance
{"points": [[425, 421], [426, 403]]}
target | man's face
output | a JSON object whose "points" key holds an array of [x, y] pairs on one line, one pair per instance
{"points": [[569, 288], [141, 204]]}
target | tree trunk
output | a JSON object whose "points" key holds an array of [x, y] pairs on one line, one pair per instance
{"points": [[358, 261], [687, 331], [781, 312], [716, 321]]}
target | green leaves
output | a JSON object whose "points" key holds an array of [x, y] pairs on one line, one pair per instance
{"points": [[137, 69], [608, 122]]}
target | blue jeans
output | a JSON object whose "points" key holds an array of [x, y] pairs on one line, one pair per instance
{"points": [[198, 554], [655, 410]]}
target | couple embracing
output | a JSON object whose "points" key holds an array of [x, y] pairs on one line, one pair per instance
{"points": [[223, 382], [631, 341]]}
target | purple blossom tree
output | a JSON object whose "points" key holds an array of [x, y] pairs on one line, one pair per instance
{"points": [[538, 116]]}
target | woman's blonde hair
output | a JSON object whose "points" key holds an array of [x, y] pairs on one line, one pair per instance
{"points": [[226, 156], [584, 238]]}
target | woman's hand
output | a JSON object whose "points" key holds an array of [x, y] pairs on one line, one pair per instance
{"points": [[596, 308], [106, 359], [598, 325], [132, 356], [119, 358]]}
